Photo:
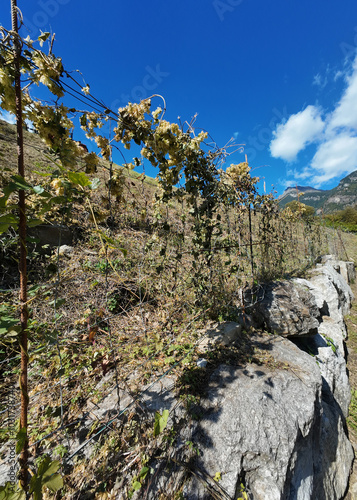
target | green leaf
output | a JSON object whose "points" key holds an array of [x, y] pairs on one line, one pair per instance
{"points": [[21, 438], [36, 487], [4, 228], [38, 189], [42, 174], [217, 476], [244, 497], [79, 178], [34, 222], [243, 493], [6, 323], [160, 422], [54, 483], [57, 302], [43, 37], [46, 207], [46, 476], [112, 242], [18, 182], [47, 467], [9, 333], [136, 485], [8, 219], [3, 201], [11, 492], [50, 477], [143, 473]]}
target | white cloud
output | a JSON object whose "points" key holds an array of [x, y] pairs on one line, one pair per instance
{"points": [[300, 175], [338, 75], [296, 177], [320, 81], [334, 157], [286, 183], [345, 113], [317, 80], [336, 139], [8, 117], [293, 136]]}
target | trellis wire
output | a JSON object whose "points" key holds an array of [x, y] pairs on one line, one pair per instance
{"points": [[239, 245], [142, 364]]}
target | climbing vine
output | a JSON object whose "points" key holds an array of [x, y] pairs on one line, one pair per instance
{"points": [[190, 177]]}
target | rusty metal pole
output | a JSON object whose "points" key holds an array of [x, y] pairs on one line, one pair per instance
{"points": [[23, 251]]}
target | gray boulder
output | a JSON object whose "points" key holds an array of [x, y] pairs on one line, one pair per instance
{"points": [[285, 308], [52, 235], [223, 334], [271, 430], [346, 269], [332, 363], [329, 286]]}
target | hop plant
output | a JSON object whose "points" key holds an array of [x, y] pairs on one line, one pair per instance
{"points": [[91, 161], [48, 71], [116, 184], [58, 187], [239, 173], [103, 144]]}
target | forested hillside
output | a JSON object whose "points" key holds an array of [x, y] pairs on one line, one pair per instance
{"points": [[325, 201]]}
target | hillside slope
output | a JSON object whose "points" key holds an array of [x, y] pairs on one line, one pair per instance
{"points": [[37, 155], [338, 198]]}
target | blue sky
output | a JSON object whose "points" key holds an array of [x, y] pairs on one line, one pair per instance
{"points": [[280, 77]]}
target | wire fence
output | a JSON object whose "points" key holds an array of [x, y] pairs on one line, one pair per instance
{"points": [[107, 327], [130, 302]]}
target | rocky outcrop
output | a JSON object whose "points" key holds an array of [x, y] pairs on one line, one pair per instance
{"points": [[276, 426], [269, 443]]}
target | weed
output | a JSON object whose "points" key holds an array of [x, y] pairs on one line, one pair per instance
{"points": [[331, 344], [352, 417]]}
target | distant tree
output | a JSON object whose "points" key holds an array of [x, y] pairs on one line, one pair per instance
{"points": [[298, 207], [346, 218], [349, 215]]}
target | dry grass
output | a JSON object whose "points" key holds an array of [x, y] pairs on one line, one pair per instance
{"points": [[99, 318]]}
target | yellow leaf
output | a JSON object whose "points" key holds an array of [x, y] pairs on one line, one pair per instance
{"points": [[217, 476]]}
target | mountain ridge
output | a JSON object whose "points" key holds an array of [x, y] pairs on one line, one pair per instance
{"points": [[324, 201]]}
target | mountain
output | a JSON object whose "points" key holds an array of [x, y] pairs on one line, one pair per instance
{"points": [[328, 201]]}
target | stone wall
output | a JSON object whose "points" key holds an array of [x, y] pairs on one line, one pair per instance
{"points": [[275, 429]]}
